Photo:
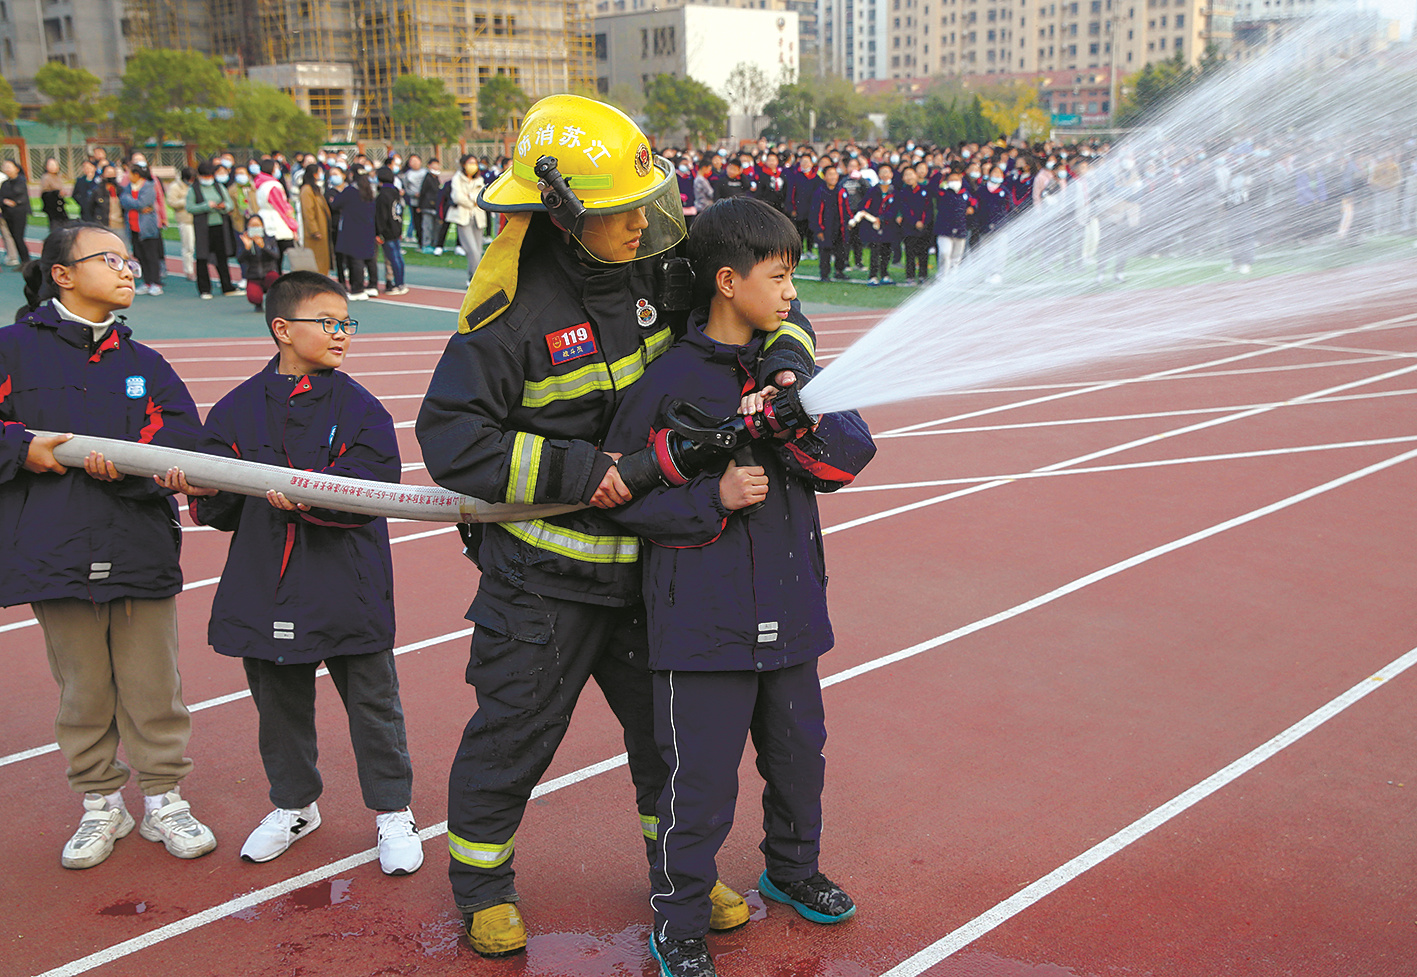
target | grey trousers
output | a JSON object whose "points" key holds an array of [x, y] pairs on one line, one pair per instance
{"points": [[369, 687], [116, 665]]}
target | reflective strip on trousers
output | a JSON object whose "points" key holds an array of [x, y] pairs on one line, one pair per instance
{"points": [[797, 333], [575, 545], [480, 856], [649, 824], [526, 465], [596, 376]]}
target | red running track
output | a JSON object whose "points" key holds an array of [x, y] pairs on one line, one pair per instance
{"points": [[1064, 611]]}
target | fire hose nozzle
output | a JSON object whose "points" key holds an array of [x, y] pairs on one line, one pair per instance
{"points": [[694, 441]]}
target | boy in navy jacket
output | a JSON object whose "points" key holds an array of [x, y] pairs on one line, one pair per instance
{"points": [[308, 585], [93, 552], [954, 209], [828, 217], [736, 601]]}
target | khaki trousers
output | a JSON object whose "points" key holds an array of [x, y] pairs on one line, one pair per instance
{"points": [[116, 665]]}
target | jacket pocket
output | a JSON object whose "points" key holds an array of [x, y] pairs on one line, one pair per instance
{"points": [[511, 665]]}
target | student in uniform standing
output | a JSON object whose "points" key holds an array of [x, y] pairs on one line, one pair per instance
{"points": [[92, 551], [210, 206], [914, 220]]}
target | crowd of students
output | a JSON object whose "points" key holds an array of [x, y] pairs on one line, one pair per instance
{"points": [[874, 207], [339, 211]]}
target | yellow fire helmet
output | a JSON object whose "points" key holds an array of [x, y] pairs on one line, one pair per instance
{"points": [[619, 200]]}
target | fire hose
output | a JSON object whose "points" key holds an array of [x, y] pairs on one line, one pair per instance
{"points": [[425, 503], [692, 442]]}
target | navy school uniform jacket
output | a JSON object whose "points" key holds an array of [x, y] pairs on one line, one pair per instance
{"points": [[733, 591], [301, 587], [799, 187], [952, 215], [72, 536], [880, 203], [828, 215], [912, 206], [993, 207]]}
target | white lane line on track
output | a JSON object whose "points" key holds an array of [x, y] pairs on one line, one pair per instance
{"points": [[1110, 418], [1102, 453], [1159, 374], [1065, 873], [222, 700], [216, 913], [1132, 466]]}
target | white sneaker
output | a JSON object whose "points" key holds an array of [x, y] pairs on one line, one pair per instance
{"points": [[206, 296], [100, 827], [171, 823], [400, 848], [373, 293], [155, 290], [278, 831], [398, 290], [358, 296], [437, 250], [140, 290], [459, 251]]}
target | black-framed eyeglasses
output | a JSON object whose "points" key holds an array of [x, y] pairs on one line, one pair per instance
{"points": [[113, 260], [332, 325]]}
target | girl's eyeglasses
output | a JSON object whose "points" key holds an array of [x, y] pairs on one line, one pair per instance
{"points": [[332, 325], [113, 260]]}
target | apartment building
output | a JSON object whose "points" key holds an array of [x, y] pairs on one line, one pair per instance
{"points": [[987, 37]]}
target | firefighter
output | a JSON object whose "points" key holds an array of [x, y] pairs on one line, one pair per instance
{"points": [[573, 299]]}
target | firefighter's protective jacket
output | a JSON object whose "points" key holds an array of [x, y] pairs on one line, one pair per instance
{"points": [[520, 402]]}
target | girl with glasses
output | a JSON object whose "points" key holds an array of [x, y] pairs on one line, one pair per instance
{"points": [[94, 553]]}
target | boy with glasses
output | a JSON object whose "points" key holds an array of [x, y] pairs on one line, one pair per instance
{"points": [[307, 585]]}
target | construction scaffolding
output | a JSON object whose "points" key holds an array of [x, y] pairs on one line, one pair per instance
{"points": [[545, 46], [179, 25]]}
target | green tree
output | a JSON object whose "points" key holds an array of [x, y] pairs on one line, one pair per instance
{"points": [[74, 101], [790, 112], [265, 116], [174, 93], [497, 100], [9, 105], [673, 103], [425, 108], [1155, 86]]}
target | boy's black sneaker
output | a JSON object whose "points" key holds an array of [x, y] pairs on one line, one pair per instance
{"points": [[819, 898], [681, 958]]}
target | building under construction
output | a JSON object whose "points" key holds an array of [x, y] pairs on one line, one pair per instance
{"points": [[339, 59]]}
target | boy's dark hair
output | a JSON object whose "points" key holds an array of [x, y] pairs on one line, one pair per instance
{"points": [[288, 292], [739, 233]]}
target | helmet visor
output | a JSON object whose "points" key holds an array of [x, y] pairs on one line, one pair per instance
{"points": [[647, 227]]}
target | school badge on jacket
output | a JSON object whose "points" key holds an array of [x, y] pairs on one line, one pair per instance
{"points": [[136, 387]]}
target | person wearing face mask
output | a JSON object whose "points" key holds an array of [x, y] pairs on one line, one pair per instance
{"points": [[466, 216], [15, 208], [273, 206], [213, 238], [413, 177], [335, 183], [913, 217], [427, 213], [139, 203], [800, 183], [992, 212], [260, 261], [878, 227], [241, 196], [388, 225], [954, 210], [353, 206], [315, 218]]}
